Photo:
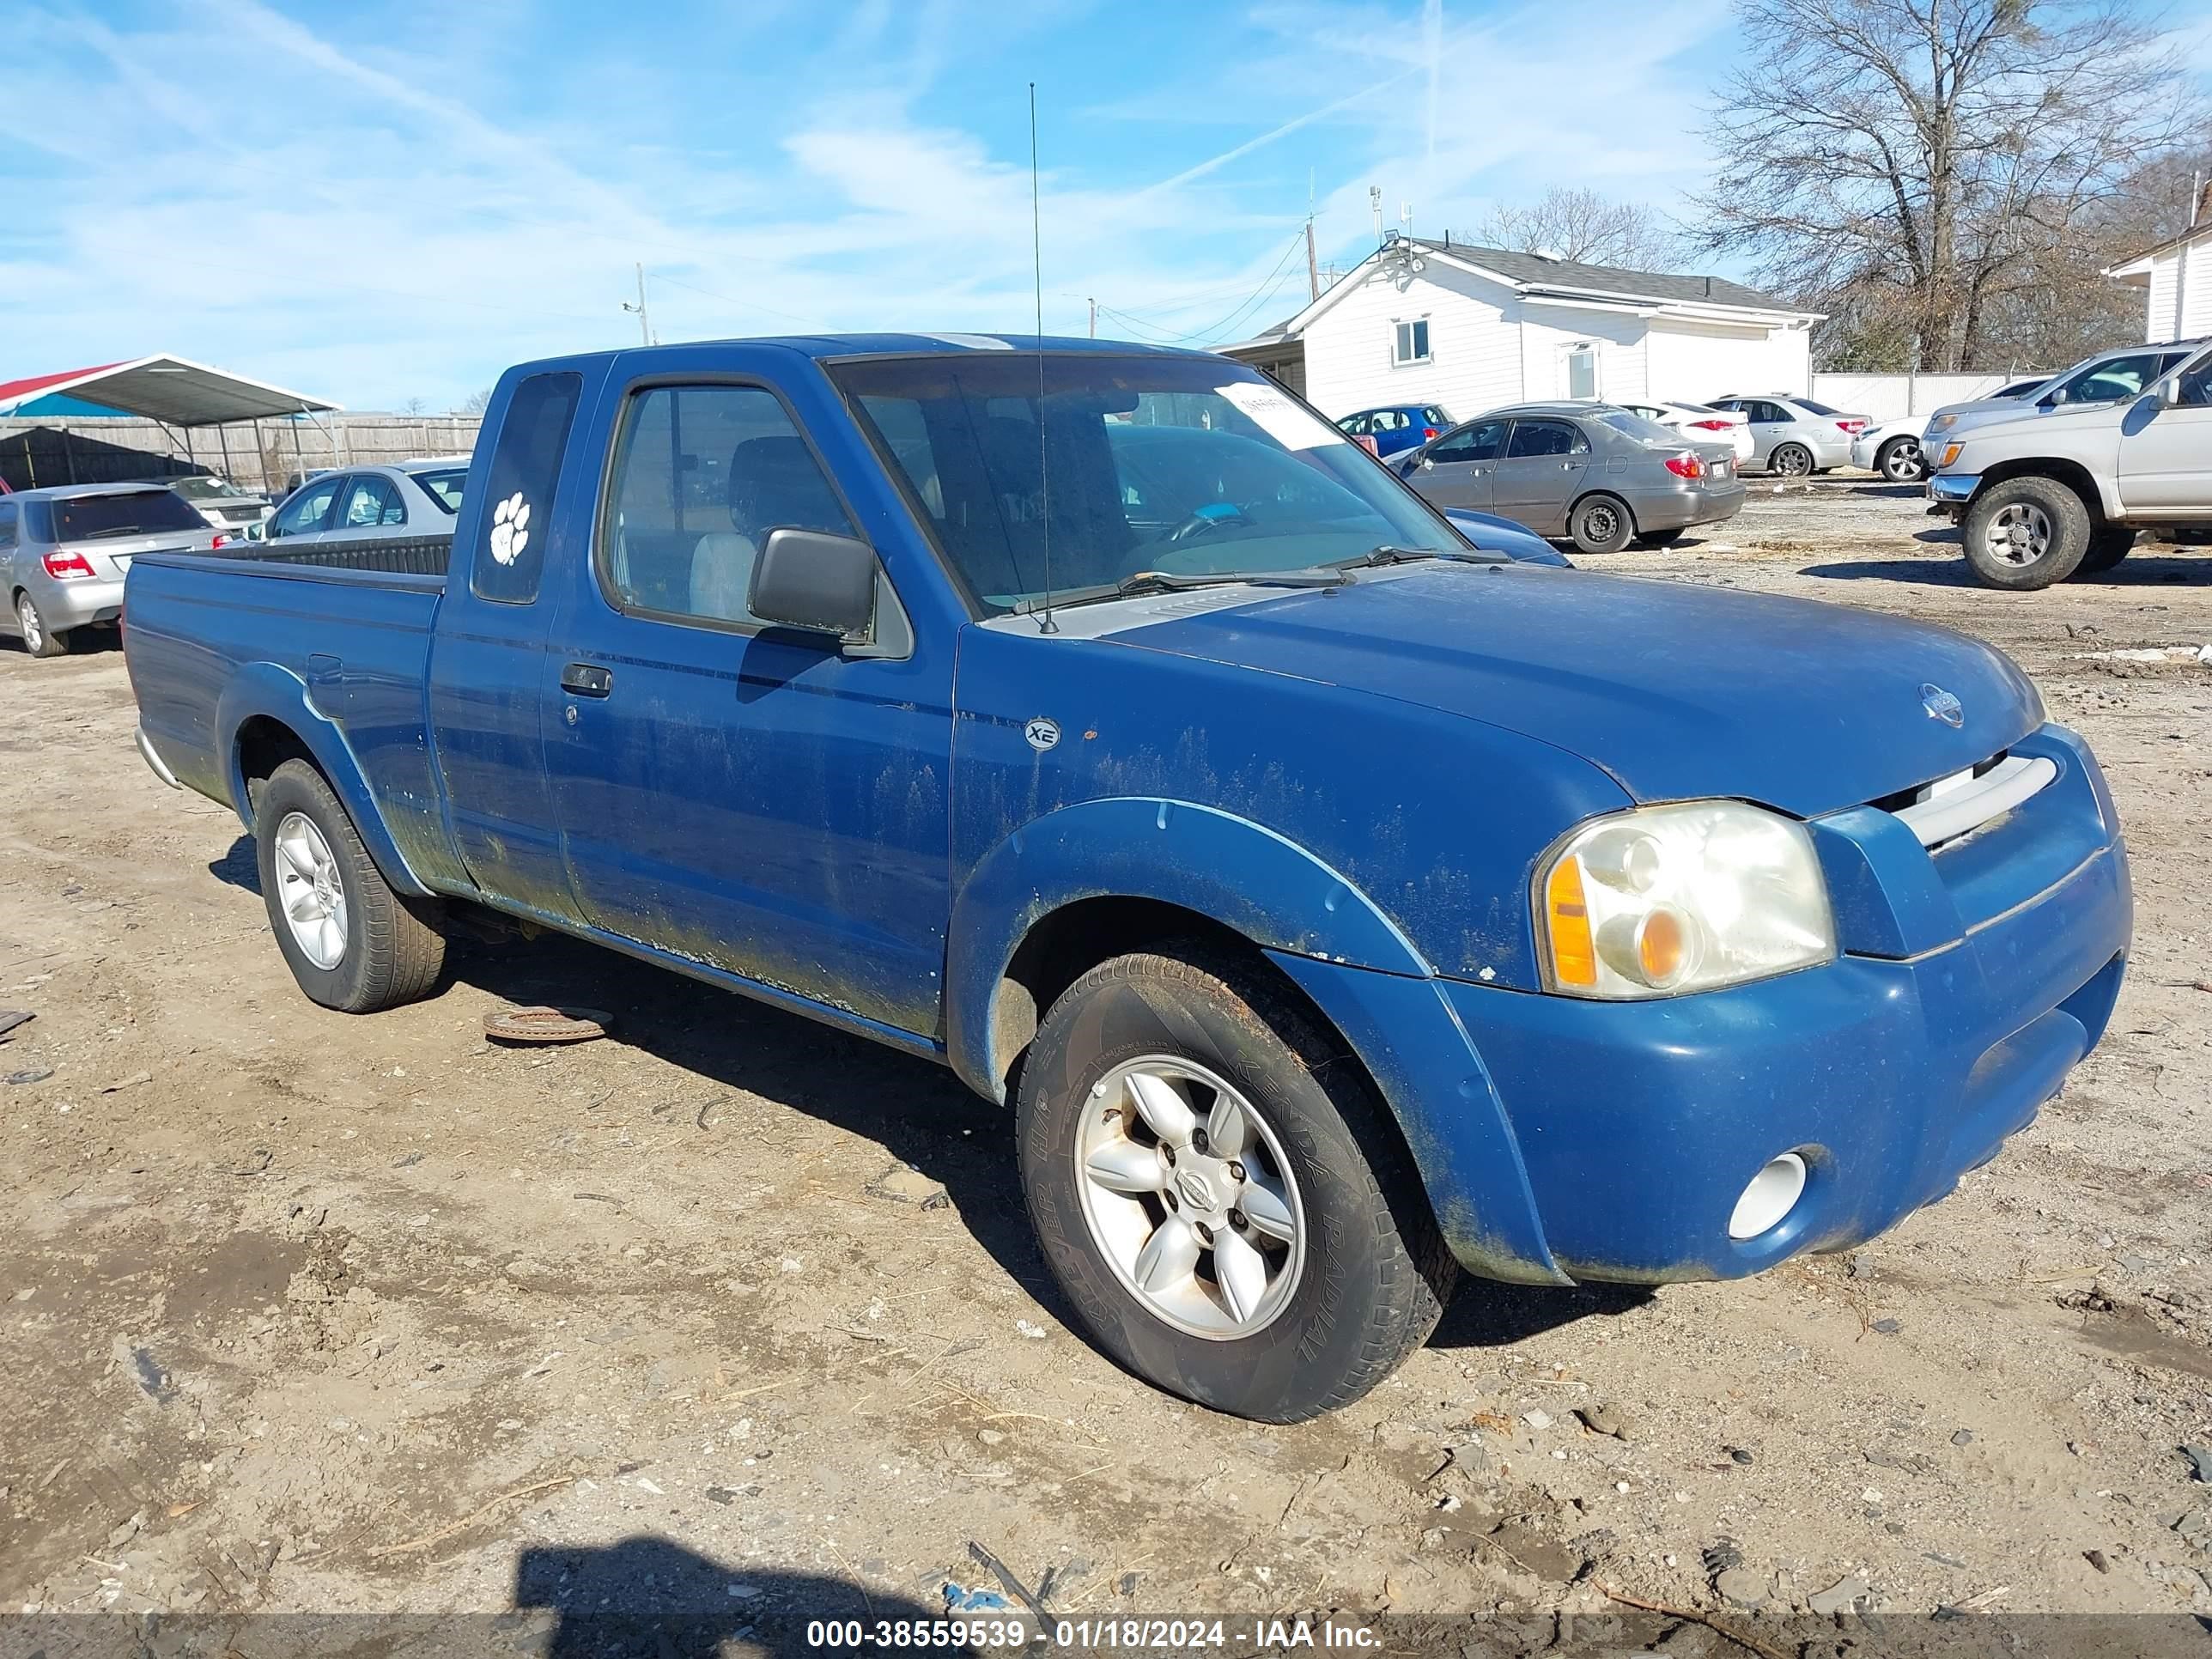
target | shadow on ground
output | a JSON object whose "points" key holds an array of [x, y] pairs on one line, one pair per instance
{"points": [[649, 1598], [915, 1109], [2144, 569]]}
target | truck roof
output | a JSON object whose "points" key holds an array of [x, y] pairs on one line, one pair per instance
{"points": [[826, 347]]}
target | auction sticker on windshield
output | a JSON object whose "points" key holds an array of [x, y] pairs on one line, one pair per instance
{"points": [[1285, 421]]}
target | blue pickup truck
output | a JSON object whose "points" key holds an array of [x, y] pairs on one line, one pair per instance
{"points": [[1335, 906]]}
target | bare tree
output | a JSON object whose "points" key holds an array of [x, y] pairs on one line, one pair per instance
{"points": [[1939, 171], [1585, 226], [413, 406], [476, 403]]}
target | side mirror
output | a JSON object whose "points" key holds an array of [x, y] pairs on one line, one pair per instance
{"points": [[820, 583]]}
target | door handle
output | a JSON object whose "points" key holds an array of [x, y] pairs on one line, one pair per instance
{"points": [[582, 679]]}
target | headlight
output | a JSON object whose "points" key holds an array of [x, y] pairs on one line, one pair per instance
{"points": [[1941, 424], [1665, 900]]}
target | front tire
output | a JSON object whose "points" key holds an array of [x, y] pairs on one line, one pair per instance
{"points": [[1220, 1193], [1901, 460], [353, 944], [2026, 534], [39, 640], [1601, 523]]}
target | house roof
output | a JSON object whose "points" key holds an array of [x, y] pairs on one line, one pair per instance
{"points": [[1537, 276], [174, 390], [2138, 265], [1541, 271]]}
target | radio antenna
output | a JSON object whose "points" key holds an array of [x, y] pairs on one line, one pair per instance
{"points": [[1045, 623]]}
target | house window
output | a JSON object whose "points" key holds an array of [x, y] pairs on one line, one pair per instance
{"points": [[1582, 372], [1411, 343]]}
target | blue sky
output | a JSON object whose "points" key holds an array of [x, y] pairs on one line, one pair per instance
{"points": [[379, 202]]}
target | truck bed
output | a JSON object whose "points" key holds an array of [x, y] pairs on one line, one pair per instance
{"points": [[412, 555], [210, 637]]}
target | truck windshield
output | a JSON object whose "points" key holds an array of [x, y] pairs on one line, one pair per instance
{"points": [[1189, 466], [133, 512]]}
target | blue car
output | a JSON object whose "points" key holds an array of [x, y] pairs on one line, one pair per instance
{"points": [[1495, 535], [1396, 427], [1335, 907]]}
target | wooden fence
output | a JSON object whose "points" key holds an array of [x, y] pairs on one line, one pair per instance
{"points": [[258, 455]]}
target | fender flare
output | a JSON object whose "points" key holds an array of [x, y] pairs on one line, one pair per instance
{"points": [[1228, 869], [264, 690], [1330, 939]]}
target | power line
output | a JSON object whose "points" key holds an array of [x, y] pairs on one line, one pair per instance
{"points": [[1268, 285]]}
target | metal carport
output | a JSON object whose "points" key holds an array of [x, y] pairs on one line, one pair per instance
{"points": [[175, 392]]}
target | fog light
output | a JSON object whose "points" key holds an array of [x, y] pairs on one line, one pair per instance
{"points": [[1774, 1191]]}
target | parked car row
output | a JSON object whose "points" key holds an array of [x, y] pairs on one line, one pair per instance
{"points": [[65, 550], [1595, 474]]}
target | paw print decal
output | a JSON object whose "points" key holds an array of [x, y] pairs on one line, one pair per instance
{"points": [[510, 532]]}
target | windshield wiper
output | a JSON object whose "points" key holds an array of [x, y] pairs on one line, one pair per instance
{"points": [[1164, 582], [1388, 554]]}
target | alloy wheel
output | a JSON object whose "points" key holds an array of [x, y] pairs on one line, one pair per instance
{"points": [[1189, 1197], [2019, 534], [310, 894]]}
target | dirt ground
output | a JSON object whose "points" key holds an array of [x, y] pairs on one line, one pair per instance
{"points": [[312, 1313]]}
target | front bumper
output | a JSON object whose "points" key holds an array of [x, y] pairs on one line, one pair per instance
{"points": [[1564, 1140], [1950, 491]]}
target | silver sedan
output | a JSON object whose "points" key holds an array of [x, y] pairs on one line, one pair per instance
{"points": [[1599, 477], [365, 503], [64, 552]]}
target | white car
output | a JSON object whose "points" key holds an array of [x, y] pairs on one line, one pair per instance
{"points": [[1893, 448], [1699, 424]]}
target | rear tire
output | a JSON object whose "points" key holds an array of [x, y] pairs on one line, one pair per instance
{"points": [[39, 640], [1901, 460], [2108, 545], [1791, 460], [353, 943], [1281, 1263], [1601, 523], [2026, 534]]}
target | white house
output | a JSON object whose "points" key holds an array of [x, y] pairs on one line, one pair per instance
{"points": [[2176, 278], [1471, 328]]}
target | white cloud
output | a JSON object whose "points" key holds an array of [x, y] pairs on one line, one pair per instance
{"points": [[380, 221]]}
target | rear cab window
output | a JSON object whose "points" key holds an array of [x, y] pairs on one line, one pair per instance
{"points": [[526, 470]]}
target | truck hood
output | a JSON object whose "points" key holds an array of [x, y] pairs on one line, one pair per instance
{"points": [[1677, 691]]}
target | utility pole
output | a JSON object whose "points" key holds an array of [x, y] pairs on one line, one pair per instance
{"points": [[644, 321], [1375, 206], [1094, 320], [1313, 271]]}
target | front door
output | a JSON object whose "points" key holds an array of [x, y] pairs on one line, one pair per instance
{"points": [[1542, 472], [2165, 449], [307, 512], [765, 802], [1455, 469]]}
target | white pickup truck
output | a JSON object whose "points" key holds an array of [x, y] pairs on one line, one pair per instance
{"points": [[2050, 494]]}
